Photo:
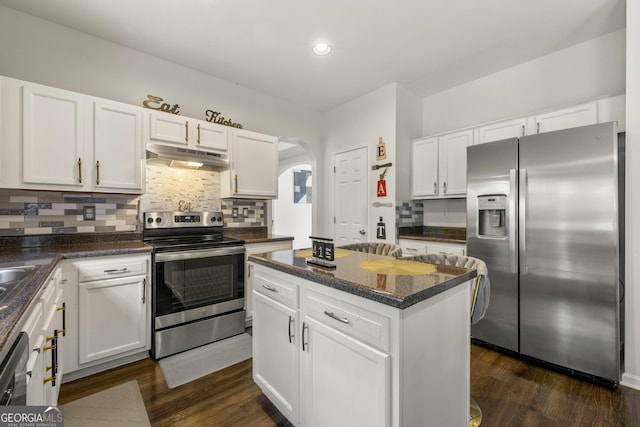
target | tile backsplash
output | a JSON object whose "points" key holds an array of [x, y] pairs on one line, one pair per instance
{"points": [[49, 212], [25, 212], [409, 213]]}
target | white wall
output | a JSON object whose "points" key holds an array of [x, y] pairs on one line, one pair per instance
{"points": [[445, 213], [292, 219], [590, 70], [408, 127], [631, 376], [359, 123]]}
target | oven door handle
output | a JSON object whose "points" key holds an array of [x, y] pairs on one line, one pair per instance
{"points": [[198, 253]]}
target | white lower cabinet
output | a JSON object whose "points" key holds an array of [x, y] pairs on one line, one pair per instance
{"points": [[258, 248], [276, 353], [44, 326], [329, 358], [412, 247], [345, 382], [108, 313], [112, 317]]}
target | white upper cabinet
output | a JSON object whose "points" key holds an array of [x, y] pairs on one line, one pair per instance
{"points": [[174, 130], [424, 167], [58, 140], [53, 137], [501, 130], [439, 165], [580, 115], [117, 147], [254, 166], [453, 162]]}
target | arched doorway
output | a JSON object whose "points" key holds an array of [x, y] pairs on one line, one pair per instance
{"points": [[292, 211]]}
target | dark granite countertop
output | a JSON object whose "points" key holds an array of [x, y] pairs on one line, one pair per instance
{"points": [[434, 234], [254, 235], [45, 252], [400, 291]]}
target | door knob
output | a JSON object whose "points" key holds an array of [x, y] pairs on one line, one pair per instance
{"points": [[362, 232]]}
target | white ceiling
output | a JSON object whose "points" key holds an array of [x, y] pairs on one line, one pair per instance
{"points": [[426, 45]]}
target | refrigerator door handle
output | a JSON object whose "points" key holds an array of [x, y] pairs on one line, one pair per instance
{"points": [[522, 214], [513, 232]]}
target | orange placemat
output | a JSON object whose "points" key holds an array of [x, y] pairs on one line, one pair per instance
{"points": [[398, 267]]}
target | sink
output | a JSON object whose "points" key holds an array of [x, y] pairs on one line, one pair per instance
{"points": [[12, 279]]}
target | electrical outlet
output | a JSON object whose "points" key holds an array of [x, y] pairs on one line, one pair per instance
{"points": [[234, 212], [245, 212], [89, 213]]}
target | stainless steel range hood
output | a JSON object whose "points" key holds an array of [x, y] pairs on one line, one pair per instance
{"points": [[218, 160]]}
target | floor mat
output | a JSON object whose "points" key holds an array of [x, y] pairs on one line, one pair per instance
{"points": [[117, 406], [192, 364]]}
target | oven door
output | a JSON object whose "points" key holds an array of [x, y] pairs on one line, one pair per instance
{"points": [[196, 284]]}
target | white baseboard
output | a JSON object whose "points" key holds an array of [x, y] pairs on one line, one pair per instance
{"points": [[631, 381]]}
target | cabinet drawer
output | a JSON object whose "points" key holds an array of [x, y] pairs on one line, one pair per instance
{"points": [[447, 249], [111, 268], [277, 287], [413, 247], [361, 324]]}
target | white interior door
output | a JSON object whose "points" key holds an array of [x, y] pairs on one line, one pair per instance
{"points": [[351, 219]]}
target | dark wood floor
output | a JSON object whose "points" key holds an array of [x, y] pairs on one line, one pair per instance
{"points": [[510, 392]]}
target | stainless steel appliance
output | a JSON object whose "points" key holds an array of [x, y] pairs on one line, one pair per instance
{"points": [[198, 280], [13, 373], [543, 213]]}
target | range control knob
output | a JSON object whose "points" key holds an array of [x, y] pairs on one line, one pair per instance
{"points": [[150, 220], [158, 220], [219, 219]]}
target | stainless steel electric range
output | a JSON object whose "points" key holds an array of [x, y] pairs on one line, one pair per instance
{"points": [[198, 280]]}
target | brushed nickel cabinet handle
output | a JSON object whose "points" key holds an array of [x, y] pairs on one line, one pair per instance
{"points": [[98, 172], [435, 187], [116, 270], [305, 343], [292, 325], [269, 288], [235, 183], [79, 170], [338, 318], [198, 133], [186, 134]]}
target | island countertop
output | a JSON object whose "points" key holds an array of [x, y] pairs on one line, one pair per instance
{"points": [[396, 290]]}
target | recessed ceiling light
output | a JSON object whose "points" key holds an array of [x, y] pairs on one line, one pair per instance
{"points": [[321, 49]]}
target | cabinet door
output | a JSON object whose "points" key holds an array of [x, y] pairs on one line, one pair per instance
{"points": [[257, 248], [453, 162], [501, 130], [581, 115], [424, 167], [345, 382], [254, 160], [165, 127], [117, 144], [53, 136], [210, 136], [276, 355], [112, 317]]}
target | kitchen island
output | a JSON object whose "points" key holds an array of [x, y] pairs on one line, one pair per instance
{"points": [[377, 341]]}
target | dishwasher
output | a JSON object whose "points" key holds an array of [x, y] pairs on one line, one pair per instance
{"points": [[13, 373]]}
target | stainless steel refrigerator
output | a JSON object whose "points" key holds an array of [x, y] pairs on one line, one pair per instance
{"points": [[543, 213]]}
